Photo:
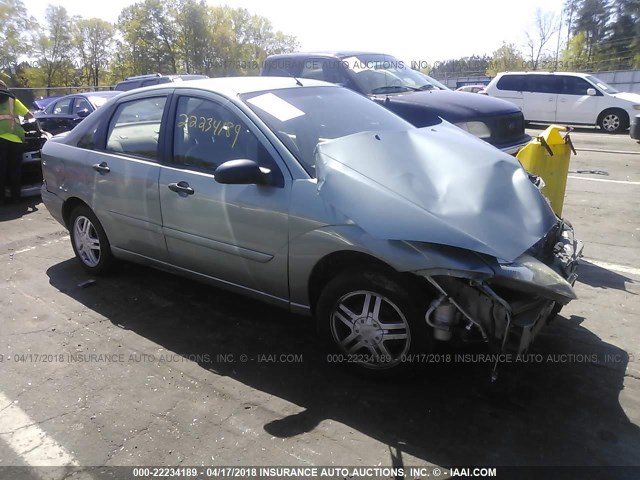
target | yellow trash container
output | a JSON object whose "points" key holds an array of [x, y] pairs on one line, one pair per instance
{"points": [[548, 157]]}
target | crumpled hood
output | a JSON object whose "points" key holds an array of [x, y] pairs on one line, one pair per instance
{"points": [[436, 184]]}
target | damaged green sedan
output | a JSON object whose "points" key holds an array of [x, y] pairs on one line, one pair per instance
{"points": [[313, 198]]}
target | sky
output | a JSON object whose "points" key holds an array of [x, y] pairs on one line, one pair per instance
{"points": [[420, 31]]}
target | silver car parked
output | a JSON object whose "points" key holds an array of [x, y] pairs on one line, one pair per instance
{"points": [[311, 197]]}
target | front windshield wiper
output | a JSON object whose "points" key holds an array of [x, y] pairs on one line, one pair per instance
{"points": [[426, 86], [393, 88]]}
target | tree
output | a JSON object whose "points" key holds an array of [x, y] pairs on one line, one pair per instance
{"points": [[16, 34], [545, 28], [149, 38], [592, 18], [94, 41], [506, 58], [621, 45], [574, 57], [55, 47], [192, 34], [466, 66]]}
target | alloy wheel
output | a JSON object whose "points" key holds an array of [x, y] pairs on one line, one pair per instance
{"points": [[370, 329], [86, 240]]}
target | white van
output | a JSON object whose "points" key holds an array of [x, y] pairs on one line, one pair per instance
{"points": [[564, 97]]}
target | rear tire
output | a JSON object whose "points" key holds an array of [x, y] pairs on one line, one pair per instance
{"points": [[89, 241], [371, 323], [613, 120]]}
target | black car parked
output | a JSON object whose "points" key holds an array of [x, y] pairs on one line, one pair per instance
{"points": [[139, 81], [416, 97], [66, 112], [634, 131]]}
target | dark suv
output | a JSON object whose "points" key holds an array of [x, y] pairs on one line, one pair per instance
{"points": [[416, 97], [130, 83]]}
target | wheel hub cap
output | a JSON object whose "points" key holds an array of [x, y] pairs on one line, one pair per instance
{"points": [[369, 331]]}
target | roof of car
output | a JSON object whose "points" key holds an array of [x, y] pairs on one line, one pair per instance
{"points": [[101, 93], [332, 54], [232, 86], [104, 93], [538, 72]]}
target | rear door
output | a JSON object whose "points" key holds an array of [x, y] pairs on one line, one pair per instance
{"points": [[574, 104], [237, 234], [125, 175], [541, 97]]}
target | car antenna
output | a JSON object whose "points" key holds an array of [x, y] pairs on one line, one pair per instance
{"points": [[298, 82]]}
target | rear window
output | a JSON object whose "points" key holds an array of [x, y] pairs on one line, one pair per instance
{"points": [[285, 67], [512, 82]]}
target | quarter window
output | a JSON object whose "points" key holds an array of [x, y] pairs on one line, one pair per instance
{"points": [[135, 127]]}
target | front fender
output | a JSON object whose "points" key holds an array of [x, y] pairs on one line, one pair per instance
{"points": [[309, 248]]}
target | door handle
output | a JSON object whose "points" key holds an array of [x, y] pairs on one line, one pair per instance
{"points": [[102, 167], [181, 187]]}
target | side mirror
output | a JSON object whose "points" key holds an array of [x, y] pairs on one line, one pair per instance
{"points": [[242, 172], [83, 113], [591, 92]]}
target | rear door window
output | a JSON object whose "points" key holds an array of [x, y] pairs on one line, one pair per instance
{"points": [[544, 84], [135, 127], [61, 107]]}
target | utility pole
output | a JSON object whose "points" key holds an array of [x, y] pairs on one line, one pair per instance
{"points": [[558, 44]]}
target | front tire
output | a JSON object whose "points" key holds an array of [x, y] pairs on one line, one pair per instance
{"points": [[613, 120], [89, 241], [370, 321]]}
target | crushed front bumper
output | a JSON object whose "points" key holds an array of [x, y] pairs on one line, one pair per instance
{"points": [[510, 308]]}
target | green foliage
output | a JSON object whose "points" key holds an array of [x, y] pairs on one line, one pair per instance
{"points": [[466, 66], [93, 39], [16, 32], [506, 58], [54, 48], [603, 35], [188, 36], [165, 36]]}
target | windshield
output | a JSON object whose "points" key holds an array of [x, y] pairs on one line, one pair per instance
{"points": [[304, 117], [601, 85], [380, 74]]}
